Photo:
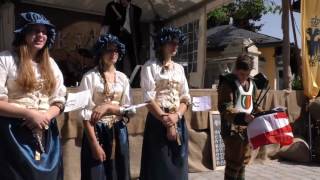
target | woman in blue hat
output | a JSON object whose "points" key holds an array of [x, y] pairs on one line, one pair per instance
{"points": [[105, 147], [32, 94], [165, 88]]}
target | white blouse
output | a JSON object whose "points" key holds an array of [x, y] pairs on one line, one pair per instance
{"points": [[10, 90], [167, 86], [119, 92]]}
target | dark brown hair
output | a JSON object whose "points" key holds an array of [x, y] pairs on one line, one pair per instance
{"points": [[244, 62], [160, 54], [101, 69]]}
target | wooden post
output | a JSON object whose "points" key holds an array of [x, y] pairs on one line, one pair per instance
{"points": [[296, 48], [7, 25], [286, 46]]}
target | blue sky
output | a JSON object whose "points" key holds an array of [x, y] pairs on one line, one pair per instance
{"points": [[272, 25]]}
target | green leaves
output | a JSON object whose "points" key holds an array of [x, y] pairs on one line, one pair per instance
{"points": [[297, 83], [243, 12]]}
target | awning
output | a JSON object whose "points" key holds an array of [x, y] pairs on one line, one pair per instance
{"points": [[164, 8]]}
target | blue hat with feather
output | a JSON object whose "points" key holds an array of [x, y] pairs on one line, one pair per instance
{"points": [[106, 39], [31, 18], [168, 34]]}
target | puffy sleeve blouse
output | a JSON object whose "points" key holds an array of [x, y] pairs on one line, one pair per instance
{"points": [[119, 91], [167, 86]]}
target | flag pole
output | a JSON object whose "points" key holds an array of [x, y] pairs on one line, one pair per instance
{"points": [[309, 132], [310, 128]]}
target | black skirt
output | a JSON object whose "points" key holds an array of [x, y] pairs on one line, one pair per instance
{"points": [[161, 158], [112, 169], [17, 152]]}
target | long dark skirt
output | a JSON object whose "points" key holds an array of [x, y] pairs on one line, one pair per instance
{"points": [[111, 169], [161, 158], [17, 152]]}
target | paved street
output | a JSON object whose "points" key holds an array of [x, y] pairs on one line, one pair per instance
{"points": [[269, 171]]}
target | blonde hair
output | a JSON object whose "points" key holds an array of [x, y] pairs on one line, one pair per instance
{"points": [[26, 75]]}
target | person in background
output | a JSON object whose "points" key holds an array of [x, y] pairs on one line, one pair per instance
{"points": [[165, 88], [105, 147], [236, 97], [122, 19], [32, 94]]}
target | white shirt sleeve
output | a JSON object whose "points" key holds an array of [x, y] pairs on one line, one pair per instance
{"points": [[126, 95], [184, 89], [87, 84], [3, 78], [147, 83], [59, 94]]}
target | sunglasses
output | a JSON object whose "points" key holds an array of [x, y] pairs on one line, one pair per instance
{"points": [[111, 51], [173, 43], [37, 31]]}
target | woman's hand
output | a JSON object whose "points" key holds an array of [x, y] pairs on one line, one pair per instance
{"points": [[173, 119], [98, 153], [172, 133], [98, 112], [164, 119], [169, 120], [36, 120], [48, 118]]}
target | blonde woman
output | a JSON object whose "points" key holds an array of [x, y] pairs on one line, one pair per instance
{"points": [[32, 94]]}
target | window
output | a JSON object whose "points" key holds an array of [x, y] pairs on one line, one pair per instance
{"points": [[188, 53]]}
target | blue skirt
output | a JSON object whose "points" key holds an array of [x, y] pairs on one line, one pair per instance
{"points": [[17, 152], [163, 159], [116, 168]]}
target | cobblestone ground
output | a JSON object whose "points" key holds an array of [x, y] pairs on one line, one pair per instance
{"points": [[272, 170]]}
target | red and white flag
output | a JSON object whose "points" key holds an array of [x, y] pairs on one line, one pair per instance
{"points": [[270, 129]]}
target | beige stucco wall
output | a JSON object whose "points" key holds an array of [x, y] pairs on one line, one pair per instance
{"points": [[270, 65]]}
